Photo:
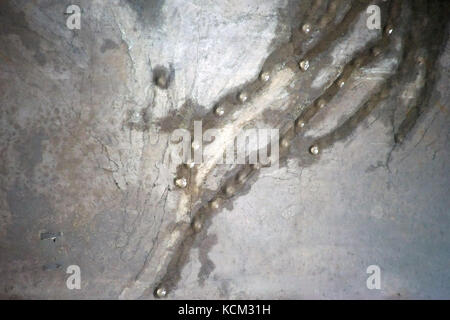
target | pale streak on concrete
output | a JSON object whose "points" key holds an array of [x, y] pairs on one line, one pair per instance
{"points": [[200, 71], [268, 99]]}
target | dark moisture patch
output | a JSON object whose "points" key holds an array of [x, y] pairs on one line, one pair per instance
{"points": [[31, 152], [224, 289], [108, 44], [162, 76], [51, 266], [269, 114], [435, 42], [12, 22], [148, 11], [30, 212], [183, 117], [178, 261], [207, 264]]}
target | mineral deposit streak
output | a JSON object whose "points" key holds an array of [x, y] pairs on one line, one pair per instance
{"points": [[420, 50]]}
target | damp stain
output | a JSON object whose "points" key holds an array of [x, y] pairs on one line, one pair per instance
{"points": [[207, 265], [182, 117], [205, 213], [108, 44], [30, 213], [149, 12], [163, 76], [13, 22], [30, 152]]}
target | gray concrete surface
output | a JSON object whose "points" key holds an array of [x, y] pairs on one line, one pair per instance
{"points": [[83, 138]]}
